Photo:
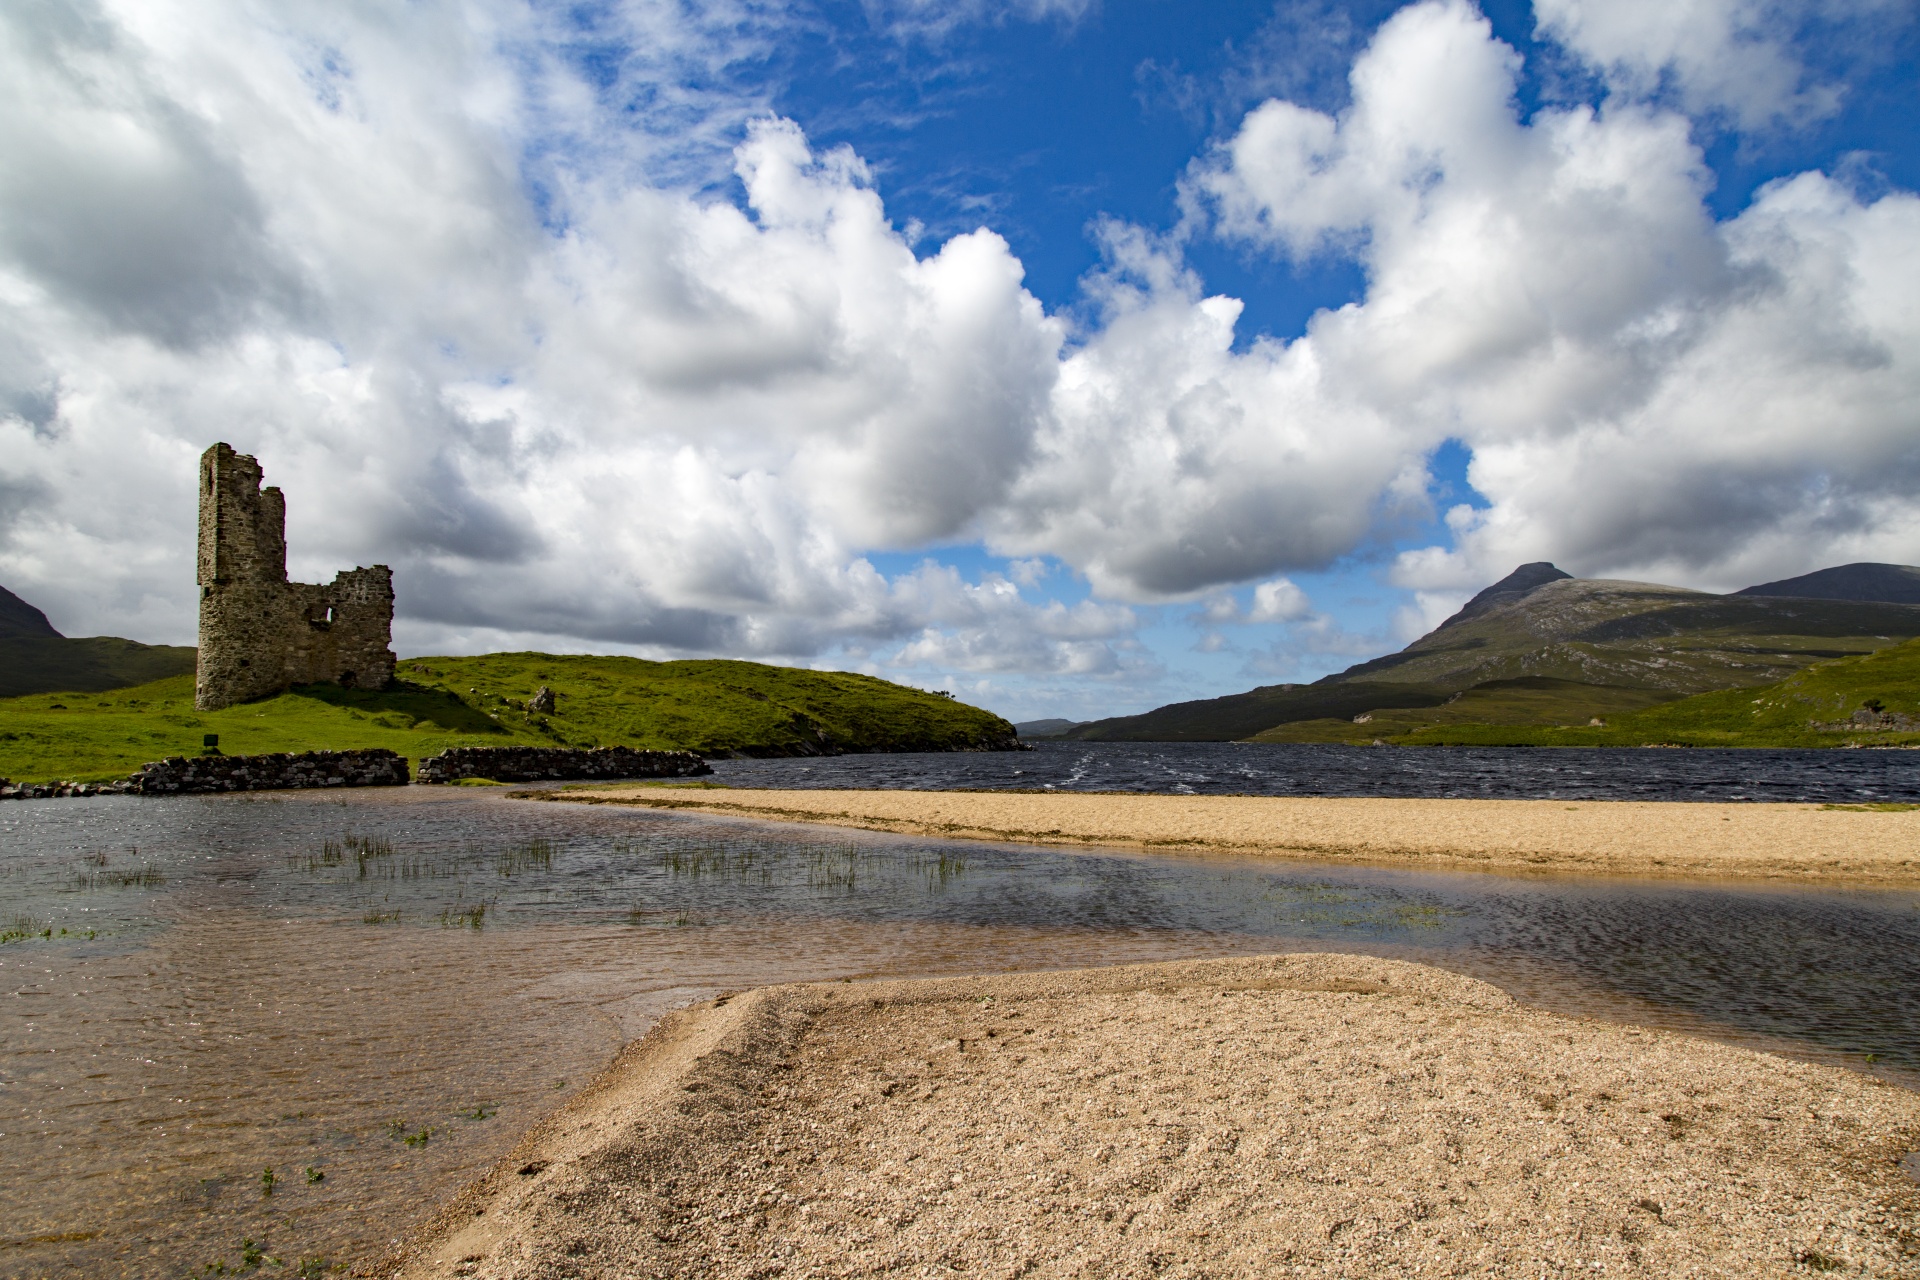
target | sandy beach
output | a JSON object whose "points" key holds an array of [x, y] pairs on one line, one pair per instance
{"points": [[1733, 841], [1317, 1115]]}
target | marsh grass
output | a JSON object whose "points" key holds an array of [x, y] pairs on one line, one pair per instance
{"points": [[534, 855], [943, 870], [366, 850], [833, 869], [376, 916], [720, 862], [23, 927], [1884, 807], [143, 877], [401, 1131], [471, 917]]}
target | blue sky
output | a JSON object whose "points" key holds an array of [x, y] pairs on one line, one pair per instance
{"points": [[1039, 128], [1073, 355]]}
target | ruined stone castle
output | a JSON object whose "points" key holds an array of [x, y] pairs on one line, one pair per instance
{"points": [[259, 633]]}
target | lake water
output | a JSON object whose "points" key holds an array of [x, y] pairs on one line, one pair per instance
{"points": [[1303, 769], [387, 987]]}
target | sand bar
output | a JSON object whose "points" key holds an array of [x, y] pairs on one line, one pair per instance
{"points": [[1736, 841], [1320, 1115]]}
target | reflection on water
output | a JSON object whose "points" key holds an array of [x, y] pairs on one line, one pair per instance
{"points": [[369, 995]]}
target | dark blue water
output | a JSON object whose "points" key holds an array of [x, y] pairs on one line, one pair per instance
{"points": [[1311, 769]]}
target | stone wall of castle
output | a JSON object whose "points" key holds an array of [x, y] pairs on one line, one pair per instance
{"points": [[259, 633]]}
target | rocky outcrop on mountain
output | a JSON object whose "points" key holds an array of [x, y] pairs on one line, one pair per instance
{"points": [[551, 764], [1515, 586]]}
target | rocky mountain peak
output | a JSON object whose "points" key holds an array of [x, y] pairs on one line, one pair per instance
{"points": [[1525, 579], [18, 618]]}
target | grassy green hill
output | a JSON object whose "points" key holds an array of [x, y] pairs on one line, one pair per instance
{"points": [[1546, 651], [36, 664], [34, 658], [1864, 701], [710, 706]]}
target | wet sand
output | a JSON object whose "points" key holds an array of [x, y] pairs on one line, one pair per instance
{"points": [[1801, 842], [1329, 1115]]}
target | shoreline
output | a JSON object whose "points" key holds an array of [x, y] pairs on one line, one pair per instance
{"points": [[1332, 1113], [1768, 843]]}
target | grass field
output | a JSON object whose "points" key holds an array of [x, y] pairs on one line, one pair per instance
{"points": [[1812, 708], [710, 706]]}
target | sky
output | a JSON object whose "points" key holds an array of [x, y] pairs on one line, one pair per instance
{"points": [[1074, 356]]}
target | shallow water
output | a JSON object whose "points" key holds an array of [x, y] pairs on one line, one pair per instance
{"points": [[317, 981], [1300, 769]]}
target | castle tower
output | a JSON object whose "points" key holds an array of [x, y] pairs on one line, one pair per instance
{"points": [[259, 633]]}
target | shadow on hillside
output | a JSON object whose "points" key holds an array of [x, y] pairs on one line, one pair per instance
{"points": [[416, 703]]}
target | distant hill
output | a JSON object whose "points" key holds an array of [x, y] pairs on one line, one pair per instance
{"points": [[716, 707], [1869, 701], [1541, 647], [1891, 583], [1046, 728], [35, 658], [20, 619]]}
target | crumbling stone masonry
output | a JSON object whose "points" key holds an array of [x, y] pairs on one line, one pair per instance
{"points": [[259, 633]]}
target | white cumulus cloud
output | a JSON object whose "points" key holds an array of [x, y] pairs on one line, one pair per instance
{"points": [[622, 359], [1644, 390]]}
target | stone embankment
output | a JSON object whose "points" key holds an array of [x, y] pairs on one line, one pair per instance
{"points": [[545, 764], [181, 775], [10, 790], [199, 775]]}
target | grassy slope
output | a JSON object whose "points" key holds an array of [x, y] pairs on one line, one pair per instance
{"points": [[41, 664], [444, 702], [1567, 652], [1777, 715], [1531, 701]]}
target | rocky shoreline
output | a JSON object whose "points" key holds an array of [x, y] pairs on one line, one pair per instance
{"points": [[541, 764], [375, 767]]}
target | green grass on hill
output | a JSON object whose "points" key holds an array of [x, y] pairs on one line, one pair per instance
{"points": [[1791, 713], [39, 664], [710, 706], [1533, 701]]}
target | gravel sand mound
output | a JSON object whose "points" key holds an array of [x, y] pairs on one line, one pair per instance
{"points": [[1803, 842], [1289, 1115]]}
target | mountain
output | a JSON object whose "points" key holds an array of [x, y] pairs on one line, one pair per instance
{"points": [[1045, 728], [20, 619], [1868, 701], [1543, 647], [717, 707], [1893, 583], [35, 658], [1509, 589]]}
